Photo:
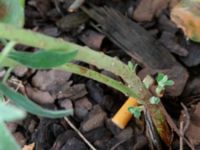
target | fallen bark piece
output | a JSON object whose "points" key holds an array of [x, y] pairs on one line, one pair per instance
{"points": [[98, 134], [42, 6], [74, 92], [50, 30], [115, 130], [94, 120], [46, 130], [194, 53], [68, 140], [72, 21], [73, 144], [147, 9], [169, 41], [132, 38], [66, 103], [40, 97], [92, 39], [50, 80], [166, 25], [192, 88], [137, 43], [124, 136], [82, 108]]}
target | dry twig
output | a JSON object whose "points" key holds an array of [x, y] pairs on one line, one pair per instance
{"points": [[79, 133]]}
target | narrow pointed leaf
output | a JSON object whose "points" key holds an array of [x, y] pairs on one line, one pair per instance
{"points": [[12, 12], [30, 106], [42, 59], [10, 113], [7, 142]]}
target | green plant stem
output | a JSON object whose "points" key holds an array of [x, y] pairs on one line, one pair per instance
{"points": [[6, 50], [83, 71], [98, 77], [85, 54]]}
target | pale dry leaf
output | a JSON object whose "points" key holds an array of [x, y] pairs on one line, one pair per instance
{"points": [[186, 16]]}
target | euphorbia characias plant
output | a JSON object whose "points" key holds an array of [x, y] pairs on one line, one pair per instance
{"points": [[58, 54]]}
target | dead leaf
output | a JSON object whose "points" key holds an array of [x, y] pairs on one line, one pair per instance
{"points": [[186, 16], [29, 147], [92, 39]]}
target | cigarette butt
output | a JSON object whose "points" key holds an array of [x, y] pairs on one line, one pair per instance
{"points": [[123, 116]]}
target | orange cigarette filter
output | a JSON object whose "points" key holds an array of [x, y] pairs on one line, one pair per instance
{"points": [[123, 116]]}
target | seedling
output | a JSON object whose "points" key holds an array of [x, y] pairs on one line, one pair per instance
{"points": [[136, 111], [132, 66], [162, 81]]}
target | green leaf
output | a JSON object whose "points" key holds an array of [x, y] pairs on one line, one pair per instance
{"points": [[132, 66], [161, 77], [169, 82], [7, 142], [154, 100], [10, 113], [12, 12], [30, 106], [42, 59], [136, 111], [159, 89]]}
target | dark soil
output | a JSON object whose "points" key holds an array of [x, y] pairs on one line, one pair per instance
{"points": [[128, 30]]}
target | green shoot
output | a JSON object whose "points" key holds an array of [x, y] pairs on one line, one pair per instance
{"points": [[136, 111]]}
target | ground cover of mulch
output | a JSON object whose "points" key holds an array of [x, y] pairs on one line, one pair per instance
{"points": [[95, 103]]}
